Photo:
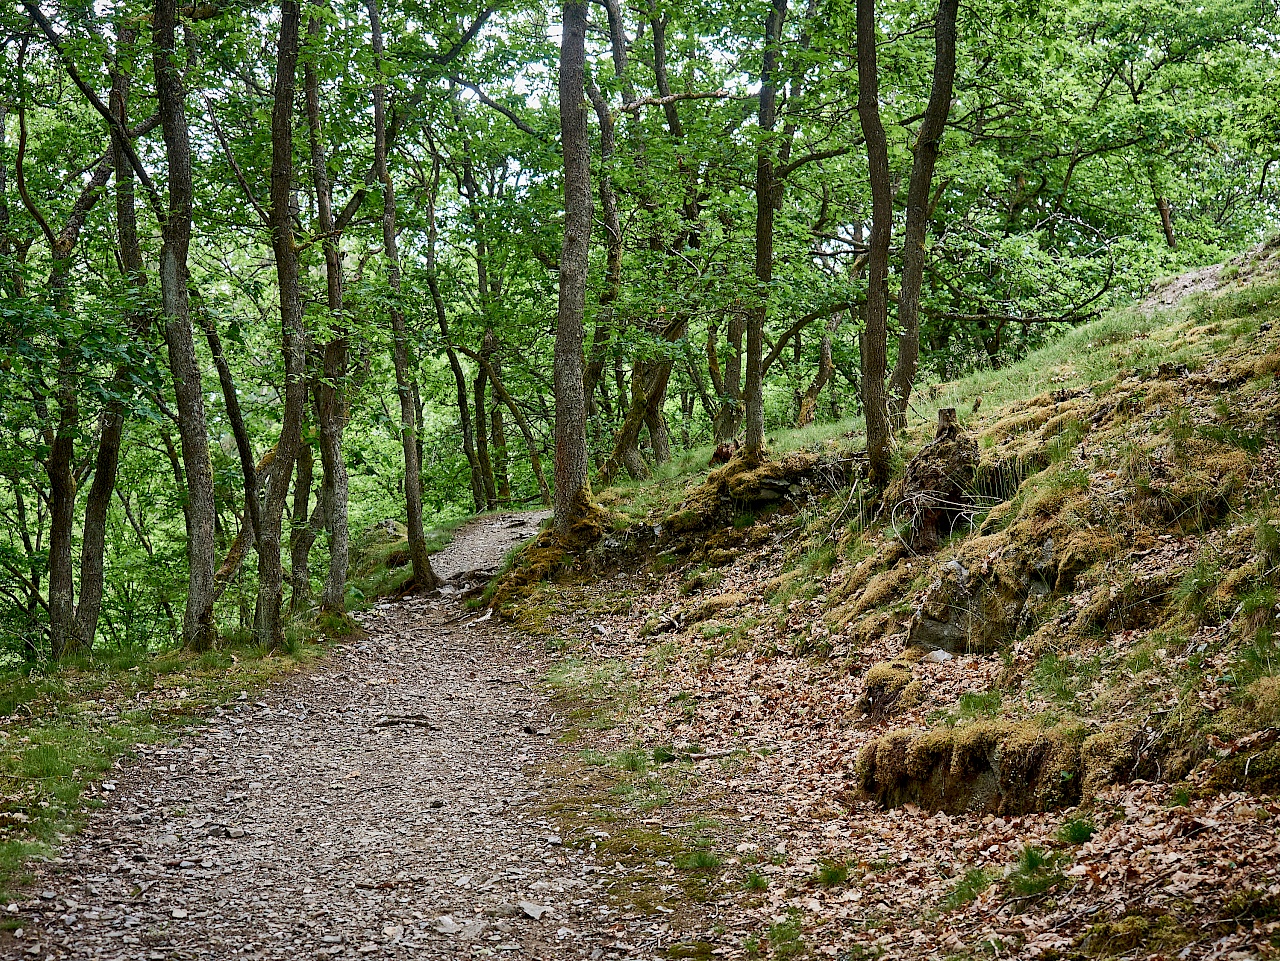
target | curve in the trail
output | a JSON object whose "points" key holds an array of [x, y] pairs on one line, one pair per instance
{"points": [[384, 806]]}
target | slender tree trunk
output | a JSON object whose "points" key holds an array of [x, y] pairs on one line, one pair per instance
{"points": [[330, 391], [482, 440], [1166, 221], [302, 533], [423, 576], [498, 443], [111, 432], [522, 422], [625, 452], [874, 339], [269, 628], [572, 485], [59, 467], [826, 368], [728, 419], [199, 630], [924, 158], [766, 196]]}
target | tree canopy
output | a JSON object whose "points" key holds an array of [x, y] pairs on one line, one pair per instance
{"points": [[273, 275]]}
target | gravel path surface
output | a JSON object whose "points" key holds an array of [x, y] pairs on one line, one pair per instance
{"points": [[383, 807]]}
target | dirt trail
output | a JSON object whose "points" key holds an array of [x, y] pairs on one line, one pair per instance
{"points": [[385, 806]]}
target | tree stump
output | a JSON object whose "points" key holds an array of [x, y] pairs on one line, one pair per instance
{"points": [[937, 486]]}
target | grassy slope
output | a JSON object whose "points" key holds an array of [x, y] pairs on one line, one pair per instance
{"points": [[1153, 661]]}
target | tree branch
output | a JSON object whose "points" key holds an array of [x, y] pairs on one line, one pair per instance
{"points": [[801, 324], [40, 20], [505, 111]]}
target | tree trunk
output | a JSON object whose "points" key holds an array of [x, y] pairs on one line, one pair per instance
{"points": [[625, 453], [269, 629], [766, 194], [482, 440], [522, 422], [826, 368], [655, 419], [59, 467], [302, 532], [728, 420], [498, 443], [572, 486], [424, 577], [874, 338], [924, 157], [1166, 221], [199, 631], [330, 391], [111, 432]]}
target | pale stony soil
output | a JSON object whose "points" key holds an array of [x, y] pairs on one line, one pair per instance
{"points": [[386, 806]]}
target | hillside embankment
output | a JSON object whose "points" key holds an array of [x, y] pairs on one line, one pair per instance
{"points": [[1026, 701]]}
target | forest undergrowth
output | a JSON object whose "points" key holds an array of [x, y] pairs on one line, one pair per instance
{"points": [[1050, 731]]}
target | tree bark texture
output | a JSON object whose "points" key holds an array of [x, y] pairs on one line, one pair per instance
{"points": [[330, 389], [924, 158], [874, 339], [766, 194], [424, 578], [199, 630], [269, 629], [572, 487]]}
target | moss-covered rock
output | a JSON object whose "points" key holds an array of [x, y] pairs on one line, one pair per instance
{"points": [[884, 686], [1004, 767]]}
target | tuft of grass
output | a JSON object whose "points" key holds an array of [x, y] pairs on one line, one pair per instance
{"points": [[974, 882], [699, 860], [1035, 872], [1076, 831], [786, 938], [755, 881], [832, 873], [1197, 585]]}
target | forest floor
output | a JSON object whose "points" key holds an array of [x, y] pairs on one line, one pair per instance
{"points": [[388, 804]]}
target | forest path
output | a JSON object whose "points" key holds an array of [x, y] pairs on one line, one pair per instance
{"points": [[384, 806]]}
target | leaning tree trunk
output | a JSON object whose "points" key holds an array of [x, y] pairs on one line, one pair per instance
{"points": [[925, 156], [424, 578], [269, 629], [199, 631], [572, 486], [522, 422], [826, 368], [874, 339]]}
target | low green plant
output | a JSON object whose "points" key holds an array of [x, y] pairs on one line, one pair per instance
{"points": [[1076, 831], [1267, 542], [1035, 872], [755, 881], [971, 884], [832, 873], [699, 860], [786, 937]]}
